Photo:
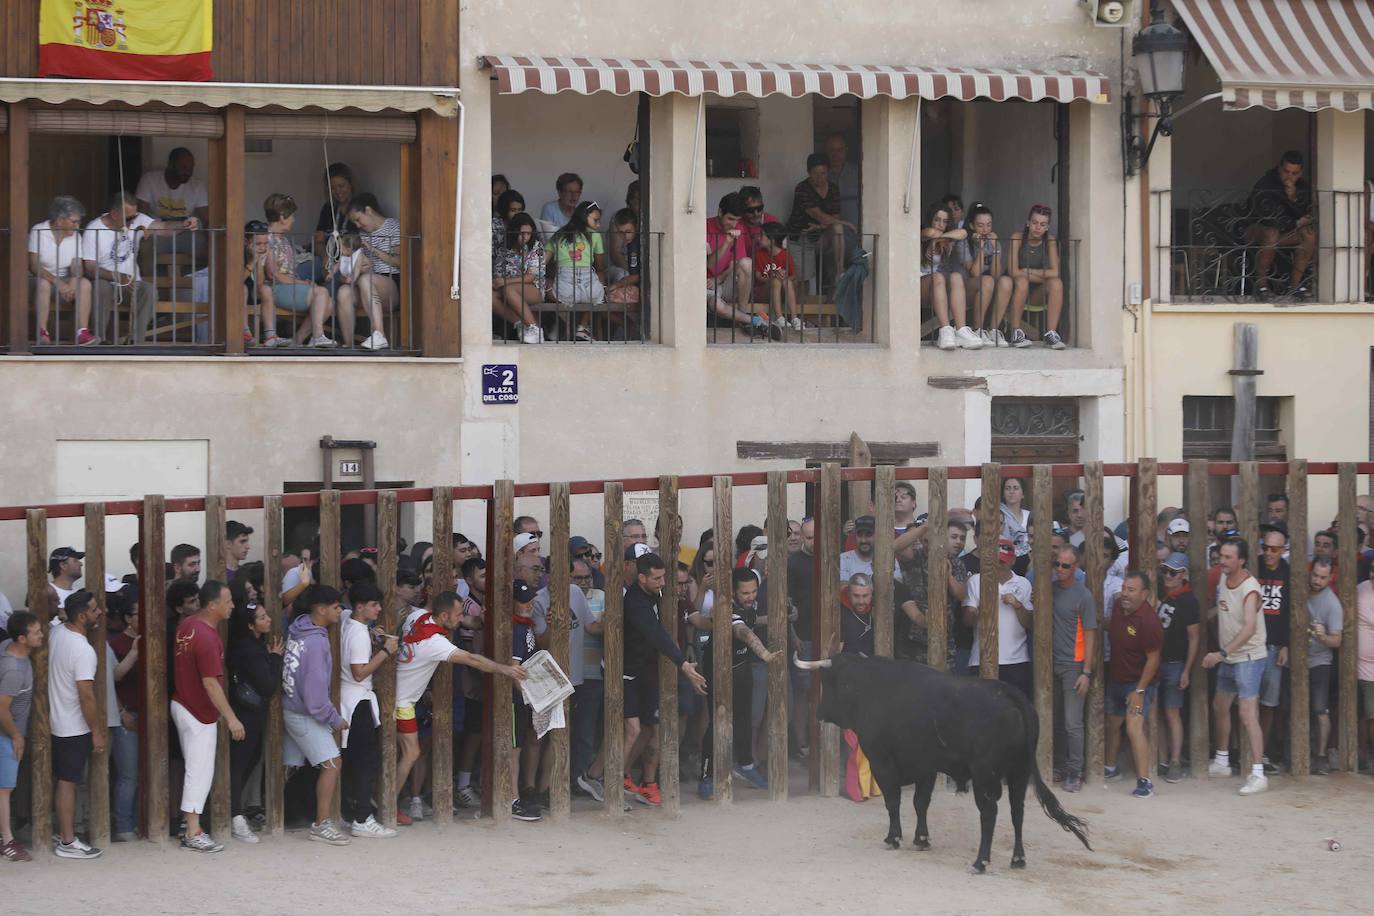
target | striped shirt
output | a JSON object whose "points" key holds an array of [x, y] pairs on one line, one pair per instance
{"points": [[387, 238]]}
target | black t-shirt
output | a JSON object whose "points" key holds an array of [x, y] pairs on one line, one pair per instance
{"points": [[799, 567], [856, 631], [1270, 205], [335, 218], [1274, 599], [908, 640], [1177, 613]]}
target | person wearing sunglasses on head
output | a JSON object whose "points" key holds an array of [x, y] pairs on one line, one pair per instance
{"points": [[1075, 645], [1034, 263]]}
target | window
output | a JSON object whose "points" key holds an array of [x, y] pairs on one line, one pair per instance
{"points": [[732, 142], [1209, 421]]}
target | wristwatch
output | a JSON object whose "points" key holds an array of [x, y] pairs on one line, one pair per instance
{"points": [[1222, 653]]}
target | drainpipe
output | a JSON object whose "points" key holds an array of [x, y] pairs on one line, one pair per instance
{"points": [[456, 289]]}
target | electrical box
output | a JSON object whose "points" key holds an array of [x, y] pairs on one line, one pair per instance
{"points": [[1110, 14]]}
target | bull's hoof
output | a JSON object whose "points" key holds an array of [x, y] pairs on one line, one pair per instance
{"points": [[921, 843], [979, 868], [893, 842], [1018, 861]]}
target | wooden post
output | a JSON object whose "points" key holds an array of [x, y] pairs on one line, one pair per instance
{"points": [[989, 529], [1095, 568], [937, 573], [227, 166], [273, 772], [1146, 560], [441, 684], [40, 712], [722, 683], [827, 613], [15, 193], [215, 568], [777, 635], [154, 650], [613, 641], [885, 481], [1246, 368], [1199, 709], [330, 575], [1347, 725], [98, 784], [1299, 702], [1248, 510], [384, 680], [669, 726], [559, 621], [501, 607], [1042, 621], [861, 496]]}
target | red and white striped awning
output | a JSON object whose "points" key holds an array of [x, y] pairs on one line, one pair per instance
{"points": [[623, 76], [1310, 54]]}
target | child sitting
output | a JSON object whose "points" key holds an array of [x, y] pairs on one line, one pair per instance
{"points": [[258, 292], [775, 278]]}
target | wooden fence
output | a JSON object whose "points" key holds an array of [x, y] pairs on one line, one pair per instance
{"points": [[825, 761]]}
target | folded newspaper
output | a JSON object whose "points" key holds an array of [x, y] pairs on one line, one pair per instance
{"points": [[544, 689]]}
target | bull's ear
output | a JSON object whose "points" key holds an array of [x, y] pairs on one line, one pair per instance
{"points": [[836, 647]]}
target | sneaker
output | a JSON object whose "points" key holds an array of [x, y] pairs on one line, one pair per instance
{"points": [[416, 809], [371, 829], [44, 337], [1072, 782], [201, 842], [75, 849], [326, 832], [1143, 788], [633, 790], [530, 334], [1111, 773], [946, 339], [1265, 293], [1270, 769], [584, 335], [467, 797], [272, 340], [241, 831], [1053, 340], [649, 792], [1321, 766], [403, 819], [986, 337], [592, 787], [795, 324], [1175, 771], [706, 789], [14, 852], [967, 339], [751, 775], [1254, 785], [1217, 768], [248, 337], [1018, 339], [1303, 292], [375, 341], [524, 811], [322, 342], [775, 332], [1058, 775], [999, 339], [84, 338]]}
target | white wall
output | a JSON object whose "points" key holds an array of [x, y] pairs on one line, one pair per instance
{"points": [[1008, 152]]}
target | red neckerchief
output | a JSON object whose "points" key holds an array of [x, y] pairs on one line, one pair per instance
{"points": [[524, 621], [1169, 596], [423, 629]]}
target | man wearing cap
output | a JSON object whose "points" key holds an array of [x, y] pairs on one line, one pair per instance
{"points": [[1178, 614], [64, 565], [579, 548], [1137, 641], [1272, 576], [1075, 651], [1014, 608], [1178, 534], [860, 559]]}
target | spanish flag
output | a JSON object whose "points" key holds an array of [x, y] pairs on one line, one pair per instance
{"points": [[125, 39]]}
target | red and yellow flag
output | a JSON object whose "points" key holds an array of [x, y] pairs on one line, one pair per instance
{"points": [[125, 39]]}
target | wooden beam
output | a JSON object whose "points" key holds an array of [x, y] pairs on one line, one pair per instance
{"points": [[274, 773], [215, 568], [437, 139], [957, 382], [1248, 509], [384, 680], [669, 726], [1146, 560], [1299, 702], [1246, 361], [1042, 621], [820, 450], [98, 773], [722, 682], [227, 167], [441, 684], [827, 612], [860, 491], [15, 194], [1199, 708], [884, 554], [613, 620], [559, 623], [40, 711], [989, 529], [152, 607], [408, 215], [777, 636], [1346, 727], [937, 571], [1095, 568], [500, 604]]}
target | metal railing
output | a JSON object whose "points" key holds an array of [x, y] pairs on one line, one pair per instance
{"points": [[1238, 246], [1000, 302], [821, 291], [617, 298]]}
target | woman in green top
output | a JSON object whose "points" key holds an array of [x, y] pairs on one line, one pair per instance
{"points": [[578, 252], [1035, 263]]}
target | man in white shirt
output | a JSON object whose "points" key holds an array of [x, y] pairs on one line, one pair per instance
{"points": [[73, 715], [1013, 620], [175, 194], [362, 755], [109, 253]]}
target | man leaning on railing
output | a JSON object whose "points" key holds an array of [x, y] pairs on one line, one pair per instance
{"points": [[1281, 209]]}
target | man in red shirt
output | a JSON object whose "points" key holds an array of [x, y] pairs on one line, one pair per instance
{"points": [[729, 269], [1137, 641], [198, 702]]}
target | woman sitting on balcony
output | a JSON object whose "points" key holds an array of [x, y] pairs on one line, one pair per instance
{"points": [[578, 253], [376, 287], [517, 281], [1035, 273], [55, 262], [985, 282], [508, 204], [816, 215], [941, 282], [289, 291]]}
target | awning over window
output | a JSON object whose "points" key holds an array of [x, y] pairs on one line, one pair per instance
{"points": [[218, 95], [623, 76], [1310, 54]]}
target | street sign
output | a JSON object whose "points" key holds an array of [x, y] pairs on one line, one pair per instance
{"points": [[500, 383]]}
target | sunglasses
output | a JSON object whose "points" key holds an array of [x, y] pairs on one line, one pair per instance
{"points": [[1063, 566], [758, 209], [537, 533]]}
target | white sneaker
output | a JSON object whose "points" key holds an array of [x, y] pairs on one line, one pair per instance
{"points": [[201, 842], [1018, 339], [370, 828], [946, 340], [1254, 785], [967, 339], [242, 832], [998, 338], [417, 809], [532, 334], [75, 849], [795, 324], [375, 341], [986, 337], [326, 832], [324, 343], [1217, 768]]}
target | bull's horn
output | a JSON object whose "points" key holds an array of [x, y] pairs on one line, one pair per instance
{"points": [[808, 666]]}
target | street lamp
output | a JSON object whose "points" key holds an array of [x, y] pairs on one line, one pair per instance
{"points": [[1158, 50]]}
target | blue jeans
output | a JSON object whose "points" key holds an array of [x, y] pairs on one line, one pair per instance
{"points": [[586, 723], [124, 759], [1172, 695], [1241, 678], [961, 659]]}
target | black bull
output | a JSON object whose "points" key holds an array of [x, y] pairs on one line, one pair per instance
{"points": [[914, 722]]}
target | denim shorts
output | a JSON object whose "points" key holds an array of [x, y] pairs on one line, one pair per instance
{"points": [[1241, 678], [1119, 694], [1319, 689], [307, 739], [9, 764], [1271, 684], [1173, 696]]}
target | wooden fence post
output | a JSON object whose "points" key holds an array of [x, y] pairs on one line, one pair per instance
{"points": [[777, 636], [154, 651], [40, 712], [722, 683], [1146, 560], [613, 641], [1199, 706], [827, 613], [1348, 725], [669, 725], [989, 530], [1096, 572], [559, 621], [215, 568], [384, 680], [1042, 621], [98, 784], [1299, 694], [273, 772], [442, 578], [937, 570], [331, 526], [1248, 511], [885, 481]]}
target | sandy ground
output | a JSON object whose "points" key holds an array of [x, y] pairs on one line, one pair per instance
{"points": [[1196, 846]]}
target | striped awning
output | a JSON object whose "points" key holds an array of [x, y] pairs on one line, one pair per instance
{"points": [[1275, 54], [623, 76]]}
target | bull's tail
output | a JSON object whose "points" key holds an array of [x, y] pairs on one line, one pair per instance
{"points": [[1077, 826]]}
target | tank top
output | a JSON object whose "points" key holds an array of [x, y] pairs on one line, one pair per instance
{"points": [[1033, 257]]}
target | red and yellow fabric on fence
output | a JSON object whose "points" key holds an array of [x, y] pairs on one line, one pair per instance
{"points": [[125, 39]]}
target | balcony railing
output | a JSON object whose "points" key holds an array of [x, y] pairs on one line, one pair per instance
{"points": [[1233, 245]]}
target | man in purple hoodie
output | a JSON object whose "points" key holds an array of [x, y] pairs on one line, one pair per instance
{"points": [[308, 713]]}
